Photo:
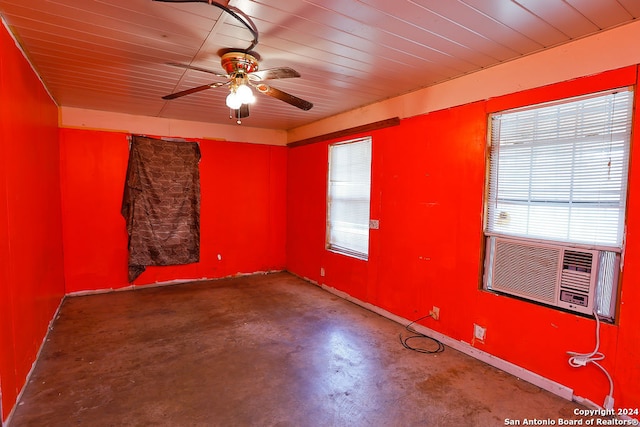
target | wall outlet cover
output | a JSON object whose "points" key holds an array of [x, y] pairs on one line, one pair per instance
{"points": [[479, 332]]}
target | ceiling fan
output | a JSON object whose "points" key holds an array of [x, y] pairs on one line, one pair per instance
{"points": [[242, 73]]}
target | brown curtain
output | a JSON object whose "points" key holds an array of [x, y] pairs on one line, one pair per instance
{"points": [[161, 203]]}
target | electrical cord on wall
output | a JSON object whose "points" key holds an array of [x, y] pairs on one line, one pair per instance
{"points": [[578, 360], [416, 335]]}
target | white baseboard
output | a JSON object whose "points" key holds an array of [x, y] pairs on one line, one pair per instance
{"points": [[165, 283]]}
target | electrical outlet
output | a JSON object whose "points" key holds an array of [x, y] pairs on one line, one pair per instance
{"points": [[321, 271], [435, 313], [479, 332]]}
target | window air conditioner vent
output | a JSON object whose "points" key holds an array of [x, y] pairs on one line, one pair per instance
{"points": [[555, 275], [577, 281], [576, 271], [525, 270]]}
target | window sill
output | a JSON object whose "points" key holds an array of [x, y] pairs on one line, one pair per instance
{"points": [[356, 255]]}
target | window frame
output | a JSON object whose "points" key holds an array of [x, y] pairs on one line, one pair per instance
{"points": [[330, 243], [617, 249]]}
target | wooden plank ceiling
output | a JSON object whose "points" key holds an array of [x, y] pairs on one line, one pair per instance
{"points": [[112, 54]]}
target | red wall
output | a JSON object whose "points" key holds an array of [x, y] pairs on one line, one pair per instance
{"points": [[427, 191], [263, 208], [243, 211], [31, 275]]}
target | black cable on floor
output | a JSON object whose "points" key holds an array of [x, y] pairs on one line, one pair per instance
{"points": [[418, 335]]}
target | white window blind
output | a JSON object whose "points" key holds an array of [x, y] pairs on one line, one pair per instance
{"points": [[558, 171], [349, 189]]}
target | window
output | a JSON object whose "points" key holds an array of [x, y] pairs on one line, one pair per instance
{"points": [[558, 174], [349, 189]]}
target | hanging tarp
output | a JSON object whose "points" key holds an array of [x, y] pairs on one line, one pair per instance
{"points": [[161, 203]]}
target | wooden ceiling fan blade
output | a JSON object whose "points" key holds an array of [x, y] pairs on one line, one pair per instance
{"points": [[274, 73], [193, 67], [284, 96], [192, 90]]}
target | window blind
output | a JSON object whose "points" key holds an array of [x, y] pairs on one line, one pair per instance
{"points": [[348, 197], [558, 171]]}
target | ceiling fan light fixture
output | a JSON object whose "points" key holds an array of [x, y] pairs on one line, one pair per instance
{"points": [[233, 100], [245, 94]]}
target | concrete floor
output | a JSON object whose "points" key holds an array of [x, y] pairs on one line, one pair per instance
{"points": [[264, 350]]}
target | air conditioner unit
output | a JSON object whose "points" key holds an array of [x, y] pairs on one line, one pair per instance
{"points": [[560, 276]]}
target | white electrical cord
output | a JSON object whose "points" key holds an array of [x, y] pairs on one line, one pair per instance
{"points": [[578, 360]]}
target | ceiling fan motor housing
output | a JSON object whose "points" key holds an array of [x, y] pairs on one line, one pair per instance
{"points": [[238, 63]]}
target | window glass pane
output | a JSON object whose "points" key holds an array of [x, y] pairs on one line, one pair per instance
{"points": [[349, 189]]}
